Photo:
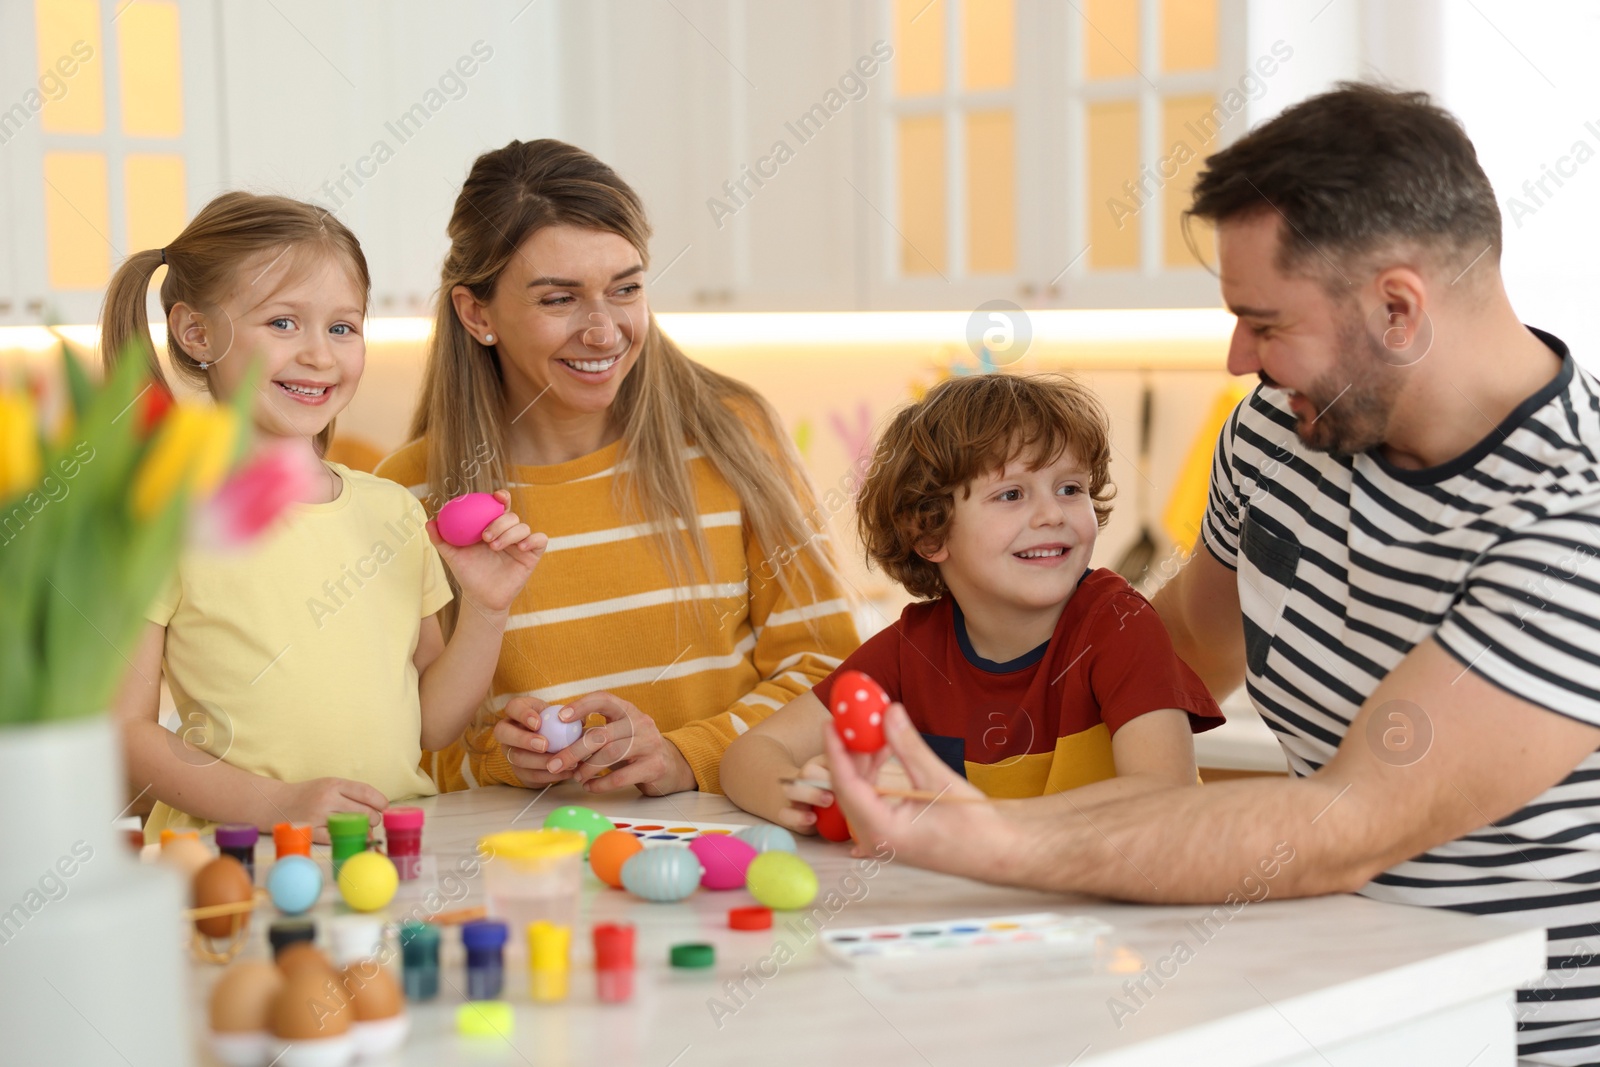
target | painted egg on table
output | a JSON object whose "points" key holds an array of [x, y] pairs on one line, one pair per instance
{"points": [[858, 704], [781, 880], [557, 733], [463, 520], [294, 883], [767, 838], [368, 881], [831, 824], [586, 821], [663, 874], [724, 859], [222, 881], [609, 852]]}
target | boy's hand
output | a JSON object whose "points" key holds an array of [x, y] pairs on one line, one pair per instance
{"points": [[800, 813], [492, 573], [314, 800], [526, 750]]}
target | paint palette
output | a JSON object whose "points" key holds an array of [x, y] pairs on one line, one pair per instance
{"points": [[662, 833], [959, 939]]}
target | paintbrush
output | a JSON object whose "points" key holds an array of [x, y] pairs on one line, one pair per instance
{"points": [[898, 794]]}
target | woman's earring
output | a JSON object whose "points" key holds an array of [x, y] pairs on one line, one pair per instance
{"points": [[488, 338]]}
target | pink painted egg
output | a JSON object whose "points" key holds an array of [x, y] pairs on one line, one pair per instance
{"points": [[724, 858], [858, 703], [463, 520]]}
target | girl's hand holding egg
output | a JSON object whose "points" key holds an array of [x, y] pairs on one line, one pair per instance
{"points": [[493, 568]]}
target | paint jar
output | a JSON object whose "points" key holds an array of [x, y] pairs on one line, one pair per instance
{"points": [[402, 831], [531, 875], [239, 841], [291, 840], [485, 942], [419, 949], [352, 938], [549, 949], [286, 932], [348, 831], [613, 962]]}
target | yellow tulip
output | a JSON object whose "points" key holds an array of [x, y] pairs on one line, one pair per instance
{"points": [[192, 451], [19, 444]]}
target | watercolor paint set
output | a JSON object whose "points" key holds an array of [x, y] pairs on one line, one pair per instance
{"points": [[1045, 933], [661, 833]]}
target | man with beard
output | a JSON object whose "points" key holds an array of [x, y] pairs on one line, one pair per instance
{"points": [[1400, 560]]}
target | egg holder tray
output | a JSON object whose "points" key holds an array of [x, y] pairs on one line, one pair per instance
{"points": [[205, 947], [964, 940]]}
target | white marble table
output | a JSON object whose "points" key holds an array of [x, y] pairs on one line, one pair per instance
{"points": [[1335, 982]]}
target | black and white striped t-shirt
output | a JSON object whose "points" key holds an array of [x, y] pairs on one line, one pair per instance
{"points": [[1349, 562]]}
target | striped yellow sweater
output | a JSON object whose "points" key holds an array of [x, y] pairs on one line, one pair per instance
{"points": [[602, 613]]}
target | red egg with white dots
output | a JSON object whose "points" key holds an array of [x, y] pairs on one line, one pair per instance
{"points": [[858, 704]]}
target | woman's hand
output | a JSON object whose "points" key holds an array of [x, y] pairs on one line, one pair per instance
{"points": [[314, 800], [627, 749], [493, 572], [526, 751]]}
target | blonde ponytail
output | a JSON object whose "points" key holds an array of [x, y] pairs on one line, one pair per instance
{"points": [[124, 322]]}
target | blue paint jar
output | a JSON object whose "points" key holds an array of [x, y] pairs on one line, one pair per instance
{"points": [[485, 942]]}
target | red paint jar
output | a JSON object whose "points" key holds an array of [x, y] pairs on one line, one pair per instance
{"points": [[613, 962], [402, 830]]}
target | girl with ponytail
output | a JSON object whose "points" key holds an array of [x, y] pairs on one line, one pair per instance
{"points": [[690, 590], [311, 672]]}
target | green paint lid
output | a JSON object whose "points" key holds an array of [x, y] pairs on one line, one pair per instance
{"points": [[348, 824], [694, 954]]}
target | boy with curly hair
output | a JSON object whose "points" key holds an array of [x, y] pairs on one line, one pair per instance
{"points": [[1027, 671]]}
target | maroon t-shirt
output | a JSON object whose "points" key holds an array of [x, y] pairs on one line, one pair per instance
{"points": [[1042, 722]]}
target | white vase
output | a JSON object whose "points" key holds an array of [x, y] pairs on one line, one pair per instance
{"points": [[92, 956]]}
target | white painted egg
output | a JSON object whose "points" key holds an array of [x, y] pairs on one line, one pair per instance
{"points": [[663, 874], [767, 838]]}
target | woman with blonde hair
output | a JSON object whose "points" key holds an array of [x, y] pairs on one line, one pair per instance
{"points": [[687, 591]]}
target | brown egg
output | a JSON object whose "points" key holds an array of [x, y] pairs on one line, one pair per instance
{"points": [[185, 855], [310, 1006], [222, 881], [304, 956], [374, 994], [241, 1001]]}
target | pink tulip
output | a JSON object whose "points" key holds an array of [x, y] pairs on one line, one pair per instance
{"points": [[254, 497]]}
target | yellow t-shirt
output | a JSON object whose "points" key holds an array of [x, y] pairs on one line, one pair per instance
{"points": [[292, 658]]}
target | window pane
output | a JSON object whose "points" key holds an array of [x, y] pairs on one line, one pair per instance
{"points": [[1188, 34], [77, 216], [155, 195], [150, 61], [70, 84], [918, 47], [991, 193], [988, 44], [1113, 161], [1110, 31], [1188, 134], [922, 184]]}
